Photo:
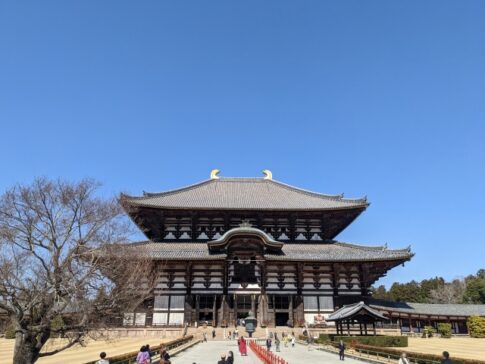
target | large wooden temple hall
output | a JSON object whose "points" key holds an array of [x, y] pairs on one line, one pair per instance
{"points": [[227, 246]]}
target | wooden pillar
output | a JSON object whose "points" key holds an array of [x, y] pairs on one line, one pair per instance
{"points": [[253, 305], [374, 327], [214, 312], [360, 328], [197, 308], [410, 324], [348, 327], [365, 328], [234, 310], [299, 316], [290, 310]]}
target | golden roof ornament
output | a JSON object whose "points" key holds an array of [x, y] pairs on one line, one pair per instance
{"points": [[214, 174], [267, 174], [245, 224]]}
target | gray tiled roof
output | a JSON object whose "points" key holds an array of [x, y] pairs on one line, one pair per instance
{"points": [[349, 311], [243, 194], [447, 309], [324, 252]]}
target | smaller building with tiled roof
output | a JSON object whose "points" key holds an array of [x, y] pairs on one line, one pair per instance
{"points": [[412, 317]]}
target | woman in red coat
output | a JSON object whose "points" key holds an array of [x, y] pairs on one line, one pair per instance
{"points": [[242, 346]]}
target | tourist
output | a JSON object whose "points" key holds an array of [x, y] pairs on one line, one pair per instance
{"points": [[230, 357], [242, 346], [164, 355], [223, 359], [268, 344], [150, 354], [293, 340], [446, 358], [276, 342], [341, 351], [143, 357], [403, 359], [102, 355], [213, 334], [204, 337]]}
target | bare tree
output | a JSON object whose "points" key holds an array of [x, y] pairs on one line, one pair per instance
{"points": [[63, 266], [451, 292]]}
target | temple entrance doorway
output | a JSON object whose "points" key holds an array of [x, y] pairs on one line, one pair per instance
{"points": [[245, 303], [281, 318]]}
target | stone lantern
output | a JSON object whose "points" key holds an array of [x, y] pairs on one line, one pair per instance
{"points": [[251, 323]]}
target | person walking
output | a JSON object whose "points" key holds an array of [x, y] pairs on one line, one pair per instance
{"points": [[268, 344], [276, 342], [446, 358], [102, 359], [293, 340], [213, 334], [150, 354], [204, 336], [403, 359], [223, 359], [230, 357], [143, 357], [242, 346], [341, 350], [164, 355]]}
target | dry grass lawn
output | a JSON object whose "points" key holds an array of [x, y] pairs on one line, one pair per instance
{"points": [[462, 347], [79, 354]]}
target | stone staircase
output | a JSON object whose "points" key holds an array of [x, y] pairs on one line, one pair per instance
{"points": [[259, 333]]}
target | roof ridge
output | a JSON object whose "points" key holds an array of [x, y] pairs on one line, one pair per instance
{"points": [[339, 197], [169, 192], [365, 247], [371, 247]]}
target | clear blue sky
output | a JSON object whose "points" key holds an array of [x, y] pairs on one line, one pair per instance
{"points": [[377, 98]]}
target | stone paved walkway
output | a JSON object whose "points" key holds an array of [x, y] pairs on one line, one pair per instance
{"points": [[210, 353], [302, 354]]}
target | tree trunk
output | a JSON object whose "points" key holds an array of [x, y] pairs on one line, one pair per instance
{"points": [[25, 351]]}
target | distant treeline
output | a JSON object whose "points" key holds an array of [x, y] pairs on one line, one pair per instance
{"points": [[470, 289]]}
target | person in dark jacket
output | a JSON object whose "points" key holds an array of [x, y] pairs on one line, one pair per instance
{"points": [[149, 351], [268, 344], [341, 350], [230, 357], [164, 355], [446, 358]]}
